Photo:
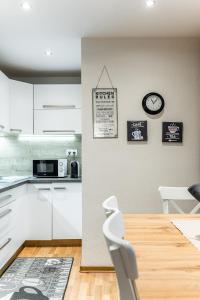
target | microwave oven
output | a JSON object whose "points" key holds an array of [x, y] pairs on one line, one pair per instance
{"points": [[50, 168]]}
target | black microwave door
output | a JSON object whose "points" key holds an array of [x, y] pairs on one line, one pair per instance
{"points": [[45, 168]]}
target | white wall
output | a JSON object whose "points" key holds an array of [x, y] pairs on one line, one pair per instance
{"points": [[133, 171]]}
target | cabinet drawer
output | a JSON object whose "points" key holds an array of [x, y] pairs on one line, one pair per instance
{"points": [[5, 199], [8, 247], [7, 215], [57, 121], [9, 244], [5, 251], [59, 96], [75, 187]]}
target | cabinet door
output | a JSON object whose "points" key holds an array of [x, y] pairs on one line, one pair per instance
{"points": [[22, 216], [57, 96], [21, 108], [57, 121], [4, 102], [67, 211], [40, 212]]}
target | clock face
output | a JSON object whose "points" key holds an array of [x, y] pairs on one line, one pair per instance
{"points": [[153, 103]]}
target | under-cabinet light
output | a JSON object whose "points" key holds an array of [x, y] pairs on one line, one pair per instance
{"points": [[45, 138]]}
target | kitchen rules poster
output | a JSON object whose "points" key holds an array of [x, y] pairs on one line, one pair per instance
{"points": [[105, 113]]}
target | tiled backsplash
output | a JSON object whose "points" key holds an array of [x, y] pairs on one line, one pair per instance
{"points": [[16, 154]]}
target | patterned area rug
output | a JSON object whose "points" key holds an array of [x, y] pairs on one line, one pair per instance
{"points": [[36, 279]]}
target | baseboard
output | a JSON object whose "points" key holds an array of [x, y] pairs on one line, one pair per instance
{"points": [[9, 262], [53, 243], [96, 269]]}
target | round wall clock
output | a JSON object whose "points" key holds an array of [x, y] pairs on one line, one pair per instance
{"points": [[153, 103]]}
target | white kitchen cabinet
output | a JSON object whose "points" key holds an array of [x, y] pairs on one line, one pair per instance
{"points": [[57, 96], [67, 210], [7, 221], [13, 222], [21, 107], [4, 103], [22, 214], [55, 211], [67, 121], [40, 211]]}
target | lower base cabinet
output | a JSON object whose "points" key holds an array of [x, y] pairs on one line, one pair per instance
{"points": [[55, 211], [13, 231], [67, 211], [39, 212], [21, 220]]}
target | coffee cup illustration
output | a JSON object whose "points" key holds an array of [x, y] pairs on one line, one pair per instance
{"points": [[173, 128], [137, 134]]}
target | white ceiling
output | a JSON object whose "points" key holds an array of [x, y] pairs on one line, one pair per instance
{"points": [[60, 24]]}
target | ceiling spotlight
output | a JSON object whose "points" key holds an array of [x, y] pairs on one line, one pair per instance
{"points": [[48, 52], [150, 3], [25, 5]]}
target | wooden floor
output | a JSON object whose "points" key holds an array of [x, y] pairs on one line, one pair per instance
{"points": [[82, 286]]}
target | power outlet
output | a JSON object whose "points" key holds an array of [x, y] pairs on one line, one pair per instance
{"points": [[71, 152]]}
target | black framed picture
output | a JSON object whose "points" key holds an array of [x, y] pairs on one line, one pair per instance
{"points": [[172, 132], [137, 131]]}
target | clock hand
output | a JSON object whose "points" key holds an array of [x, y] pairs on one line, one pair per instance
{"points": [[155, 101]]}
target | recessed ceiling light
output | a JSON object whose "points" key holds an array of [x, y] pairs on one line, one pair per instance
{"points": [[150, 3], [48, 52], [25, 5]]}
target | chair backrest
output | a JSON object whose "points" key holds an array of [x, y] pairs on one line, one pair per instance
{"points": [[123, 258], [171, 195], [110, 205]]}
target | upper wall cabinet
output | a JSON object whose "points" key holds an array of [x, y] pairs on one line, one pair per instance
{"points": [[57, 96], [4, 102], [21, 107], [57, 121]]}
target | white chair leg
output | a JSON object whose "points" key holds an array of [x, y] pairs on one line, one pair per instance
{"points": [[166, 206], [195, 209], [126, 287]]}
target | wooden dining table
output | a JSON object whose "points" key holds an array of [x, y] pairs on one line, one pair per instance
{"points": [[168, 264]]}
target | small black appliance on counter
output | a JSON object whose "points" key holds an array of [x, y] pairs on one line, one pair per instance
{"points": [[74, 169]]}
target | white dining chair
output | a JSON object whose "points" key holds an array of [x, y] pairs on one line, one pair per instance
{"points": [[123, 258], [110, 205], [172, 195]]}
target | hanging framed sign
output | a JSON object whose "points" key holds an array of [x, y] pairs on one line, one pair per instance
{"points": [[105, 111], [172, 132], [136, 131]]}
